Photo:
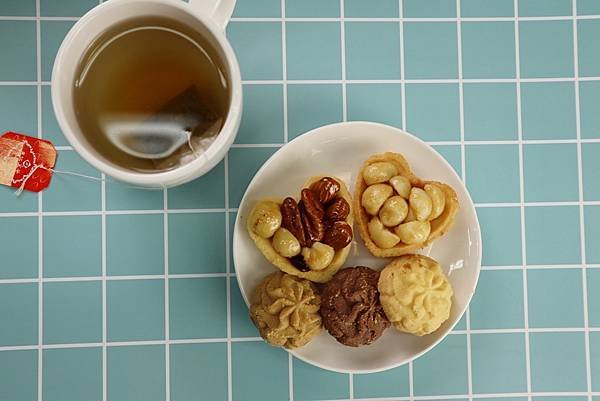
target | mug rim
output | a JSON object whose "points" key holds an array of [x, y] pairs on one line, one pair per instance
{"points": [[179, 175]]}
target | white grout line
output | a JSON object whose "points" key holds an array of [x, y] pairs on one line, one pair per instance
{"points": [[104, 301], [358, 81], [166, 295], [478, 396], [343, 60], [38, 50], [351, 385], [588, 367], [522, 200], [412, 19], [402, 72], [284, 77], [411, 381], [228, 281], [463, 176]]}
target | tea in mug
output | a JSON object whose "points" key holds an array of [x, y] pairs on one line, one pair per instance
{"points": [[151, 94]]}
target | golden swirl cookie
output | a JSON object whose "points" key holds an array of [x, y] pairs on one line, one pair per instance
{"points": [[415, 294], [285, 309], [314, 249], [397, 213]]}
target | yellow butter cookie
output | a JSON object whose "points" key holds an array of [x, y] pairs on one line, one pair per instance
{"points": [[415, 294], [285, 309]]}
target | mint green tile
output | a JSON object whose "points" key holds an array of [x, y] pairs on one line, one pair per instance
{"points": [[371, 9], [546, 244], [545, 8], [241, 325], [495, 356], [53, 33], [430, 50], [121, 196], [312, 8], [544, 165], [72, 193], [198, 308], [595, 361], [588, 7], [390, 383], [593, 293], [498, 301], [25, 202], [562, 398], [592, 233], [375, 102], [134, 244], [198, 372], [452, 155], [72, 246], [17, 46], [501, 230], [487, 8], [257, 8], [310, 106], [488, 49], [372, 50], [548, 310], [548, 110], [546, 49], [72, 312], [262, 120], [206, 192], [589, 109], [197, 243], [557, 362], [497, 165], [589, 59], [135, 310], [66, 8], [18, 247], [72, 374], [257, 46], [429, 8], [18, 381], [50, 129], [18, 107], [432, 111], [490, 111], [447, 362], [243, 164], [136, 373], [19, 314], [313, 50], [19, 8], [260, 372], [332, 385]]}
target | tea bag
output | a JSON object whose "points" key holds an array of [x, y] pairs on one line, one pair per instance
{"points": [[174, 126]]}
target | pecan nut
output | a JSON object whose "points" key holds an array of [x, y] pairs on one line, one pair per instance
{"points": [[338, 236], [326, 189], [314, 227], [292, 220], [338, 210]]}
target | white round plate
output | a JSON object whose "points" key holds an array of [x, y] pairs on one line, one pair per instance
{"points": [[339, 150]]}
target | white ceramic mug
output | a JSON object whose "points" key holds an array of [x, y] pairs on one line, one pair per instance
{"points": [[208, 18]]}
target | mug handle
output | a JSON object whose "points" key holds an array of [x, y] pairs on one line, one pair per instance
{"points": [[218, 10]]}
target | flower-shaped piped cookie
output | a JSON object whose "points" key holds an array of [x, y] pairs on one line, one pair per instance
{"points": [[415, 294], [309, 238], [398, 213], [285, 309]]}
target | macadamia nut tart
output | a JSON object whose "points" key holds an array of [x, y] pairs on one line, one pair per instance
{"points": [[398, 213], [309, 238]]}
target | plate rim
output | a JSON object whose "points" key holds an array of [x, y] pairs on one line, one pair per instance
{"points": [[471, 205]]}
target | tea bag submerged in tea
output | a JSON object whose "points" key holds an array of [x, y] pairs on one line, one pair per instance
{"points": [[182, 122]]}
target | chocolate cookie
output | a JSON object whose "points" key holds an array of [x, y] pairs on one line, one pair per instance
{"points": [[351, 309]]}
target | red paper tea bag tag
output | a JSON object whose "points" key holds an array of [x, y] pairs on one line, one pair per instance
{"points": [[26, 162]]}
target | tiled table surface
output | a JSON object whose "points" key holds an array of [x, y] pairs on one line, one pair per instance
{"points": [[109, 293]]}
